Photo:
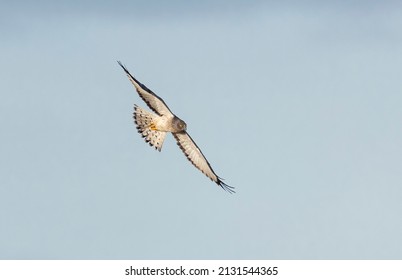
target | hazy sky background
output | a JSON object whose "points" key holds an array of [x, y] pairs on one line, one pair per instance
{"points": [[297, 104]]}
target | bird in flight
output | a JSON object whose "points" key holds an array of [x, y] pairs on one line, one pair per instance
{"points": [[153, 127]]}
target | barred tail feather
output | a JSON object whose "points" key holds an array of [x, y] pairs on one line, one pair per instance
{"points": [[144, 121]]}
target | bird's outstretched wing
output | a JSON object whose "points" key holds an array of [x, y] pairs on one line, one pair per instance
{"points": [[195, 156], [153, 101]]}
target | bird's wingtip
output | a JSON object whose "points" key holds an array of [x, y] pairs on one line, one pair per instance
{"points": [[122, 65], [225, 186]]}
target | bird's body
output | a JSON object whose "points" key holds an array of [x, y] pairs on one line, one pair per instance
{"points": [[153, 127]]}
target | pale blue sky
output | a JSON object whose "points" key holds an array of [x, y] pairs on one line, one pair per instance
{"points": [[297, 104]]}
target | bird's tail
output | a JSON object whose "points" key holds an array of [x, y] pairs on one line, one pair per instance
{"points": [[146, 127]]}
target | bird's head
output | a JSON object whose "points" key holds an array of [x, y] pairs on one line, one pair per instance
{"points": [[179, 125]]}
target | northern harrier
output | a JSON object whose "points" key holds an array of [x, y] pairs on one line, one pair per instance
{"points": [[153, 127]]}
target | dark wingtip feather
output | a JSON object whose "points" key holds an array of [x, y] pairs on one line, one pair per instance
{"points": [[122, 66], [141, 85], [127, 72], [224, 186]]}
